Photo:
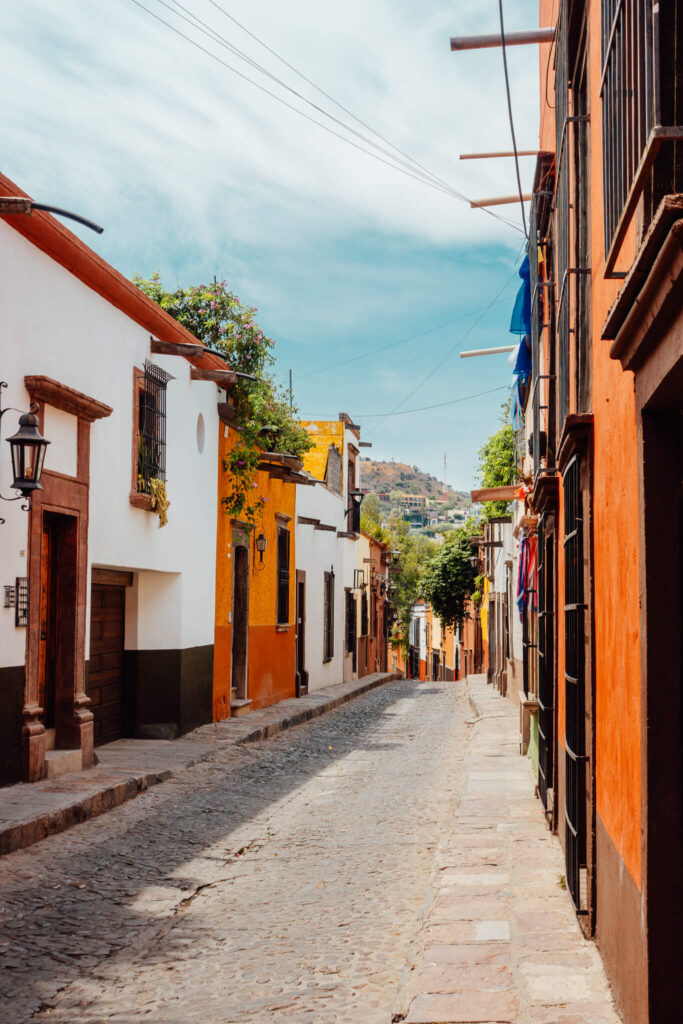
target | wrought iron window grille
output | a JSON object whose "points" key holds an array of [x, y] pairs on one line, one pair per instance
{"points": [[633, 111], [21, 601], [151, 435]]}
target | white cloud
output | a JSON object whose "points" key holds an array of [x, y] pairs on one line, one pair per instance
{"points": [[106, 104]]}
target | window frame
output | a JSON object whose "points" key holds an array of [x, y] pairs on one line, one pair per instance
{"points": [[328, 616], [283, 574]]}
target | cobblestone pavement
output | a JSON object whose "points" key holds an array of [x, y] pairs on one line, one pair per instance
{"points": [[499, 940], [279, 881]]}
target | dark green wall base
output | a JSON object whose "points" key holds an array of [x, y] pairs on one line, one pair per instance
{"points": [[165, 688], [11, 706]]}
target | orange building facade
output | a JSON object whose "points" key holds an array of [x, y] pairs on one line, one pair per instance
{"points": [[605, 403], [255, 642]]}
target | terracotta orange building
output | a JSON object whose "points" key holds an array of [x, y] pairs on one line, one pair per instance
{"points": [[255, 635], [605, 402]]}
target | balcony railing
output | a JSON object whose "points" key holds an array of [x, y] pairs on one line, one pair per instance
{"points": [[636, 117]]}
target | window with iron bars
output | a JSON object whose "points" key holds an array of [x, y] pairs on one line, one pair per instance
{"points": [[572, 204], [282, 575], [364, 614], [328, 616], [546, 663], [575, 688], [151, 425], [542, 287], [642, 96]]}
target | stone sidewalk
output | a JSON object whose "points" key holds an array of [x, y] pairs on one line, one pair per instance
{"points": [[31, 811], [499, 940]]}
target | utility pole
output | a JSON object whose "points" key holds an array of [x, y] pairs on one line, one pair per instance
{"points": [[291, 393]]}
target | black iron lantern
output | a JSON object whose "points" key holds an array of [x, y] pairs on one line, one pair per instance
{"points": [[28, 448], [261, 545]]}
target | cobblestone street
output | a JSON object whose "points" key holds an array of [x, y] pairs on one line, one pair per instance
{"points": [[280, 880]]}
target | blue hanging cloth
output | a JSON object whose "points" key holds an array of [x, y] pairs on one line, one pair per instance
{"points": [[516, 414], [521, 314], [522, 368]]}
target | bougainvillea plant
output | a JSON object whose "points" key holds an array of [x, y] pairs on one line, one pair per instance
{"points": [[264, 418]]}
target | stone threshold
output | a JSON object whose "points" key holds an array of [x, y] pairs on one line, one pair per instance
{"points": [[126, 768]]}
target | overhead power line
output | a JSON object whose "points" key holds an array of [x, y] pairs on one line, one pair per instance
{"points": [[401, 341], [412, 169], [449, 353], [428, 408]]}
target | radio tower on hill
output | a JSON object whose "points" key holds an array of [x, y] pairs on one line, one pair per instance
{"points": [[445, 475]]}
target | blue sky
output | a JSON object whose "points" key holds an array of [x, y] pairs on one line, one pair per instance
{"points": [[194, 172]]}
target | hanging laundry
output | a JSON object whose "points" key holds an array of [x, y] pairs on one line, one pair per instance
{"points": [[521, 314], [522, 368], [521, 576], [516, 407]]}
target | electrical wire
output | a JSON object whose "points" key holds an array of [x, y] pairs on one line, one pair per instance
{"points": [[512, 123], [402, 341], [449, 353], [425, 178], [428, 408], [207, 30], [327, 95]]}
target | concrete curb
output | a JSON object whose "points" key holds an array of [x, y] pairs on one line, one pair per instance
{"points": [[17, 836]]}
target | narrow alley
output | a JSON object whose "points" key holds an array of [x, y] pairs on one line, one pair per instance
{"points": [[302, 878]]}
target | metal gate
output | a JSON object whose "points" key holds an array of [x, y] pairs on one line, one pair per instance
{"points": [[574, 684], [546, 666]]}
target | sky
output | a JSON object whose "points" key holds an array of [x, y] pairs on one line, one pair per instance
{"points": [[193, 171]]}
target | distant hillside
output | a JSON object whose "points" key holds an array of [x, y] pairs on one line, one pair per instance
{"points": [[388, 477]]}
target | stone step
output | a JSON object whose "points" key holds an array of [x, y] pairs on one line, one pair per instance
{"points": [[239, 707], [61, 762]]}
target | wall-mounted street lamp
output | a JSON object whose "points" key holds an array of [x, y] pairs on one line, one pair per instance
{"points": [[28, 448], [355, 497], [261, 545]]}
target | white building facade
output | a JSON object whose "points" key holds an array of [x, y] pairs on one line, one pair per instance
{"points": [[124, 646]]}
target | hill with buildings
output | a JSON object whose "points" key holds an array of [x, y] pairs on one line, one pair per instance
{"points": [[400, 479]]}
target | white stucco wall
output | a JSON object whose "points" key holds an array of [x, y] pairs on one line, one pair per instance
{"points": [[316, 552], [53, 325]]}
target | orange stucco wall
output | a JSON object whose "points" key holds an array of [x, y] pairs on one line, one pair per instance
{"points": [[271, 648], [615, 519], [616, 540], [323, 433]]}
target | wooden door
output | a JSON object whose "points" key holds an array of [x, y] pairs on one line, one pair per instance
{"points": [[46, 668], [240, 622], [301, 673], [105, 684]]}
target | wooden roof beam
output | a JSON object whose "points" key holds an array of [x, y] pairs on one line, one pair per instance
{"points": [[534, 35], [499, 200], [494, 493], [175, 348], [226, 378], [495, 156]]}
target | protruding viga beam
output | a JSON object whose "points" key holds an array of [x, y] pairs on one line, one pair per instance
{"points": [[536, 35], [499, 200], [487, 351], [496, 156]]}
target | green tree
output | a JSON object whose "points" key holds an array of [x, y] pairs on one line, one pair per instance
{"points": [[412, 553], [447, 580], [263, 416], [497, 468]]}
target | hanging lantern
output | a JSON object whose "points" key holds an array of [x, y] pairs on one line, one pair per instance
{"points": [[28, 448], [261, 545]]}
